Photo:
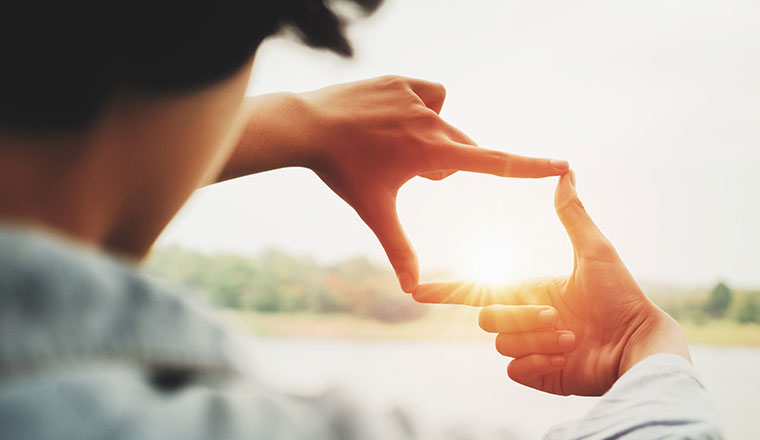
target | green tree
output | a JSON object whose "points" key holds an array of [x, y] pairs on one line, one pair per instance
{"points": [[718, 301], [749, 309]]}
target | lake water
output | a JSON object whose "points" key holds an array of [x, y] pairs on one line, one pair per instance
{"points": [[444, 384]]}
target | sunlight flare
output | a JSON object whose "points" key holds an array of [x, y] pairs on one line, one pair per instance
{"points": [[492, 263]]}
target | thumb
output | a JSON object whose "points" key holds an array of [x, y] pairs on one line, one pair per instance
{"points": [[382, 218], [587, 239]]}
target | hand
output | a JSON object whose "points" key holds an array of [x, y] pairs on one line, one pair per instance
{"points": [[375, 135], [575, 335]]}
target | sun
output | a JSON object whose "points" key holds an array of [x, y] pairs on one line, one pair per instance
{"points": [[491, 263]]}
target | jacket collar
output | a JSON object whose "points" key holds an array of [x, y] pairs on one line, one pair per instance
{"points": [[61, 303]]}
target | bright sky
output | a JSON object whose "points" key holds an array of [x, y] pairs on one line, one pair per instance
{"points": [[655, 103]]}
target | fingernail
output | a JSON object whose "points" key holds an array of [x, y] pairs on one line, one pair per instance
{"points": [[547, 317], [557, 360], [406, 281], [560, 165], [566, 340]]}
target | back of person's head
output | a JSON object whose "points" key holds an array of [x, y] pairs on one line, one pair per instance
{"points": [[63, 61]]}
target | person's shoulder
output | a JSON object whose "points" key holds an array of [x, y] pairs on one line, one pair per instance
{"points": [[91, 346], [125, 400], [62, 305], [128, 401]]}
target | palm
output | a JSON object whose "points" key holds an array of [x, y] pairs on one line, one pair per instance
{"points": [[596, 304]]}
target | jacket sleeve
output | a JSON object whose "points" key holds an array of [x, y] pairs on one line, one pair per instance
{"points": [[660, 397]]}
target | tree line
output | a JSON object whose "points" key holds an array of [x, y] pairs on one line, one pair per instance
{"points": [[720, 303], [275, 281]]}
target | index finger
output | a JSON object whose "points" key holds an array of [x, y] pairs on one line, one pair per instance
{"points": [[468, 293], [482, 160], [472, 293]]}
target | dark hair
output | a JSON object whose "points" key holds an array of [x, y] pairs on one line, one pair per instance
{"points": [[60, 62]]}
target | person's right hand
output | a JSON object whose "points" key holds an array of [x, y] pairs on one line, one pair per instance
{"points": [[574, 335], [365, 140]]}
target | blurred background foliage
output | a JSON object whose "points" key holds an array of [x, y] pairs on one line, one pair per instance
{"points": [[278, 294], [275, 282]]}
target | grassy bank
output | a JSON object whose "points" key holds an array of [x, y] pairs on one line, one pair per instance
{"points": [[722, 332], [442, 323]]}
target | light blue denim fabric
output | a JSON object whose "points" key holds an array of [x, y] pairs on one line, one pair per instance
{"points": [[660, 397]]}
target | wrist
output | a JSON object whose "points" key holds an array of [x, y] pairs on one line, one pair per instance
{"points": [[316, 129], [657, 333], [294, 135], [303, 133], [276, 135]]}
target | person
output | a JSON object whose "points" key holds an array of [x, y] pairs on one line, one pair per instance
{"points": [[593, 333], [109, 120]]}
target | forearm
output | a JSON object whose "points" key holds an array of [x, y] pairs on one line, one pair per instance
{"points": [[276, 135]]}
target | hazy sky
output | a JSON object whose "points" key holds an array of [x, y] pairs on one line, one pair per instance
{"points": [[655, 103]]}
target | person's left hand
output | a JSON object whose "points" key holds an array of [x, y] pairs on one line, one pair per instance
{"points": [[375, 135]]}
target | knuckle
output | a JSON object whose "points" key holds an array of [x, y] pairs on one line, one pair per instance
{"points": [[394, 81], [424, 115], [489, 156], [573, 204], [535, 164], [504, 158], [521, 165], [577, 204], [440, 90]]}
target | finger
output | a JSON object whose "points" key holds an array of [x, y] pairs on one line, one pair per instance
{"points": [[431, 93], [455, 135], [517, 345], [506, 319], [455, 292], [529, 370], [463, 157], [438, 175], [478, 294], [382, 218], [587, 239]]}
